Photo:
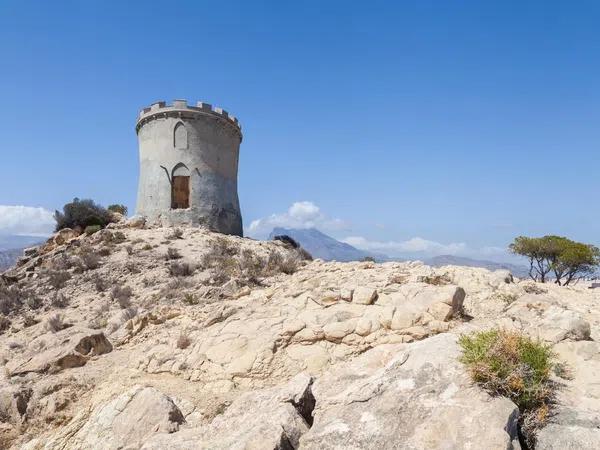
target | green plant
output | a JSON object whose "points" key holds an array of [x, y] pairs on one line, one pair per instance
{"points": [[190, 299], [512, 365], [121, 209], [91, 229], [81, 213], [508, 298]]}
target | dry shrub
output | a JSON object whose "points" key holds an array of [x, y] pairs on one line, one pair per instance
{"points": [[172, 253], [247, 266], [183, 341], [177, 233], [59, 300], [512, 365], [132, 267], [506, 297], [100, 283], [175, 288], [57, 278], [33, 301], [63, 262], [122, 295], [4, 324], [11, 298], [90, 260], [29, 320], [533, 288], [181, 269], [251, 266], [54, 323], [435, 280], [113, 237], [278, 263], [147, 247]]}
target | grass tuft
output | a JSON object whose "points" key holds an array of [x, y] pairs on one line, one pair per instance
{"points": [[512, 365]]}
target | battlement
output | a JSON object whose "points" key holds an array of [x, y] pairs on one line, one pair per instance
{"points": [[180, 108]]}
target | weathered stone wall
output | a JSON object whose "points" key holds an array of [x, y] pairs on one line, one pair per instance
{"points": [[196, 141]]}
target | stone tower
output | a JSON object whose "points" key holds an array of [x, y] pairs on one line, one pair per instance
{"points": [[188, 166]]}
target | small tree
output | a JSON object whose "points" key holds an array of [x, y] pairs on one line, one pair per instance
{"points": [[576, 261], [81, 213], [532, 249], [567, 259]]}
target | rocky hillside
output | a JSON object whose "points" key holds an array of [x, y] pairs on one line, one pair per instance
{"points": [[185, 339]]}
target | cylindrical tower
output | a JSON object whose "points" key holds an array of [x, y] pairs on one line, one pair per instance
{"points": [[188, 166]]}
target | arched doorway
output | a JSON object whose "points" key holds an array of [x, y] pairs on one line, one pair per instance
{"points": [[180, 187]]}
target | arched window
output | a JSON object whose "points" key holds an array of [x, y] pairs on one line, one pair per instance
{"points": [[180, 187], [180, 136]]}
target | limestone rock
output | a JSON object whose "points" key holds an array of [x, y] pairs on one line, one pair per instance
{"points": [[274, 418], [575, 423], [124, 422], [74, 348], [364, 295], [414, 397], [136, 222]]}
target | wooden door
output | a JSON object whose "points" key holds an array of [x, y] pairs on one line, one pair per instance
{"points": [[181, 192]]}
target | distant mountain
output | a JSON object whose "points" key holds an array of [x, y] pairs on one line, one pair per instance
{"points": [[12, 246], [449, 260], [319, 245]]}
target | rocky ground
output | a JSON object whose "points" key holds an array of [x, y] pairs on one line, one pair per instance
{"points": [[154, 338]]}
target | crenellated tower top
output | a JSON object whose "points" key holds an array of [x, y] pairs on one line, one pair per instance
{"points": [[181, 109]]}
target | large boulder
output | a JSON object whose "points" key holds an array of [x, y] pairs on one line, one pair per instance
{"points": [[272, 418], [415, 396], [124, 422], [69, 348], [575, 423]]}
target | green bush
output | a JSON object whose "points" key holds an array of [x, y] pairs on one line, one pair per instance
{"points": [[513, 365], [91, 229], [81, 213], [121, 209]]}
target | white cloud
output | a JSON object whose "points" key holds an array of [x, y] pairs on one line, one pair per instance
{"points": [[422, 248], [303, 214], [26, 221], [411, 246]]}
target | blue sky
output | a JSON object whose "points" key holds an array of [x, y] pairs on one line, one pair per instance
{"points": [[462, 124]]}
